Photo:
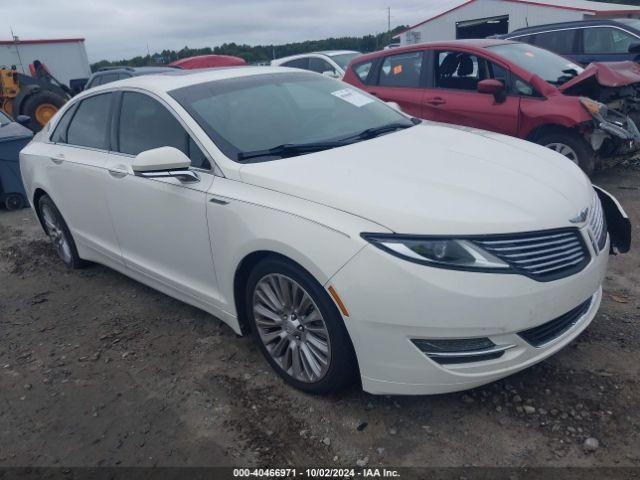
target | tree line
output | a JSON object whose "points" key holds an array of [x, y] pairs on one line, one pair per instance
{"points": [[258, 54]]}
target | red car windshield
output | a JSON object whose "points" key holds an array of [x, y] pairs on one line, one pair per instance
{"points": [[547, 65]]}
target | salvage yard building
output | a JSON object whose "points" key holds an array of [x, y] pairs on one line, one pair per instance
{"points": [[483, 18]]}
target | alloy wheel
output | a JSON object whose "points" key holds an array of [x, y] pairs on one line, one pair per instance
{"points": [[291, 327], [57, 234], [564, 149]]}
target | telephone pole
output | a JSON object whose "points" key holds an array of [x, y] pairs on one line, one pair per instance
{"points": [[388, 19]]}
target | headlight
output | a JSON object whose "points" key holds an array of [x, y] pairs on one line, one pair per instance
{"points": [[437, 251], [596, 109]]}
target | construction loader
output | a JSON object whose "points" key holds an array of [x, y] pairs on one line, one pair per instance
{"points": [[38, 96]]}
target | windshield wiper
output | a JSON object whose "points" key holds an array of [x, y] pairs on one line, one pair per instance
{"points": [[390, 127], [290, 149]]}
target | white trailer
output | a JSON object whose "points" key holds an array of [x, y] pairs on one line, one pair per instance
{"points": [[482, 18], [66, 58]]}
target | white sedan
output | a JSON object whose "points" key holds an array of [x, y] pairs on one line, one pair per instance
{"points": [[353, 241]]}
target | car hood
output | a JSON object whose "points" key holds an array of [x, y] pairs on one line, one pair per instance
{"points": [[610, 74], [436, 179], [13, 131]]}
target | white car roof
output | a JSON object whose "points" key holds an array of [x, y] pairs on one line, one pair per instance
{"points": [[324, 53], [167, 81]]}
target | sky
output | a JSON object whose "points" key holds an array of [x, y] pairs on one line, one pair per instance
{"points": [[118, 29]]}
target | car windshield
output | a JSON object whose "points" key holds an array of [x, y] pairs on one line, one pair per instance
{"points": [[343, 59], [547, 65], [269, 116]]}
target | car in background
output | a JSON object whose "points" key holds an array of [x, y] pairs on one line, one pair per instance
{"points": [[208, 61], [111, 74], [354, 241], [586, 41], [14, 136], [511, 88], [331, 63]]}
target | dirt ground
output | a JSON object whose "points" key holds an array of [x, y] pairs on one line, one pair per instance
{"points": [[98, 370]]}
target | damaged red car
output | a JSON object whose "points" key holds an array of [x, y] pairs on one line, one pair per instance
{"points": [[513, 88]]}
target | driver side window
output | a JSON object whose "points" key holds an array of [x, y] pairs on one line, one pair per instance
{"points": [[463, 71], [145, 124]]}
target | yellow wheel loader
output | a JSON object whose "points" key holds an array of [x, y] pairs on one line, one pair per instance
{"points": [[38, 96]]}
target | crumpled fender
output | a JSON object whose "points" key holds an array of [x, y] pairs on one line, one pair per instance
{"points": [[610, 74]]}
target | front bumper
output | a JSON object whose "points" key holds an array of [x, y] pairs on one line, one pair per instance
{"points": [[618, 130], [404, 301]]}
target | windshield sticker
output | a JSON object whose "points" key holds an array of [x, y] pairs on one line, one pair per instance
{"points": [[353, 97]]}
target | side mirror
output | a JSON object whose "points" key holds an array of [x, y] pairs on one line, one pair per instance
{"points": [[331, 74], [164, 162], [634, 47], [493, 87], [23, 120]]}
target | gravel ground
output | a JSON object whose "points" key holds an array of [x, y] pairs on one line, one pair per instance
{"points": [[96, 369]]}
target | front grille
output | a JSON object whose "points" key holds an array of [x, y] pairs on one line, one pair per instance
{"points": [[543, 256], [542, 334], [597, 222]]}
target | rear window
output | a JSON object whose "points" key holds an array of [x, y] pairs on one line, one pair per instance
{"points": [[362, 71], [89, 126], [402, 70], [561, 41], [298, 63]]}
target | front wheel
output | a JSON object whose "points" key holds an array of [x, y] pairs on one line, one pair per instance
{"points": [[298, 328], [572, 146], [56, 228]]}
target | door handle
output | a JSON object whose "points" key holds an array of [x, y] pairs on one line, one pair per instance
{"points": [[57, 159], [118, 171], [436, 101]]}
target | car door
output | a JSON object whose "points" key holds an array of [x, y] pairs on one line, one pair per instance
{"points": [[161, 223], [399, 80], [79, 156], [605, 44], [453, 97]]}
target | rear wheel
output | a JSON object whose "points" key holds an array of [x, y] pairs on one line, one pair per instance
{"points": [[41, 106], [298, 328], [56, 228], [572, 146]]}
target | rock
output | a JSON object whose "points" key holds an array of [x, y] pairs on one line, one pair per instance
{"points": [[362, 462], [517, 399], [528, 409], [380, 450], [326, 441], [466, 399], [369, 406], [393, 431], [591, 444], [27, 386], [303, 433], [361, 426]]}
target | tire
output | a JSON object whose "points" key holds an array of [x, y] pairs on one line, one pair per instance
{"points": [[573, 146], [304, 335], [14, 201], [40, 107], [58, 231]]}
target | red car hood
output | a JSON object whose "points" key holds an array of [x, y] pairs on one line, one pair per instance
{"points": [[610, 74]]}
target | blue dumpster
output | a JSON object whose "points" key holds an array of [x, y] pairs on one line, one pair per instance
{"points": [[13, 138]]}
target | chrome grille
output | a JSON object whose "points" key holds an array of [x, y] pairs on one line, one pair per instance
{"points": [[597, 222], [543, 256]]}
